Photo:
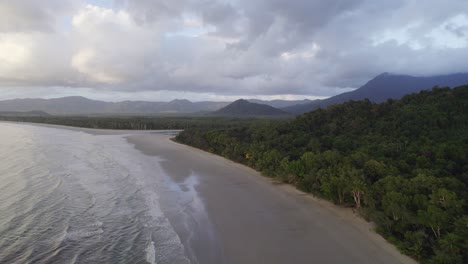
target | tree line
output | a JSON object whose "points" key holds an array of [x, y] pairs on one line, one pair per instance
{"points": [[402, 164], [136, 122]]}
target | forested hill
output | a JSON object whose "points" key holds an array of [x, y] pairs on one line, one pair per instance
{"points": [[245, 108], [402, 163], [385, 86]]}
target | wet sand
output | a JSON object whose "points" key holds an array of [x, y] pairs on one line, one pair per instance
{"points": [[237, 216]]}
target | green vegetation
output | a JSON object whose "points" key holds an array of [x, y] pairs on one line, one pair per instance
{"points": [[402, 164], [140, 123]]}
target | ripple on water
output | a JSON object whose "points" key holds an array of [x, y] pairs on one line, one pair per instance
{"points": [[70, 197]]}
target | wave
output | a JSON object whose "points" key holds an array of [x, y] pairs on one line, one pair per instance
{"points": [[151, 253], [83, 234], [57, 186]]}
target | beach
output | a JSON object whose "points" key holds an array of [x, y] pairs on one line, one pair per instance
{"points": [[252, 219]]}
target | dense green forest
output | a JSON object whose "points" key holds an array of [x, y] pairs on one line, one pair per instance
{"points": [[402, 164], [140, 123]]}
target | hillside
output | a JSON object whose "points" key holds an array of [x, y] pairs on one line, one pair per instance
{"points": [[245, 108], [402, 164], [383, 87]]}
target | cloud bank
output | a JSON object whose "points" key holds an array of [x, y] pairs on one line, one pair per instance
{"points": [[225, 48]]}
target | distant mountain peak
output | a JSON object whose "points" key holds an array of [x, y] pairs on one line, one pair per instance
{"points": [[383, 74], [241, 101], [243, 107]]}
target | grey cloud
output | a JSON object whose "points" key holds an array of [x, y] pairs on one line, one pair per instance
{"points": [[460, 31], [150, 11], [263, 47], [217, 13], [224, 16], [26, 15]]}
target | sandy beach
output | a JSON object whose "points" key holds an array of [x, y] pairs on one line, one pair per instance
{"points": [[238, 216]]}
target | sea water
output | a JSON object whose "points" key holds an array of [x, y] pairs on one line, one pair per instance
{"points": [[73, 197]]}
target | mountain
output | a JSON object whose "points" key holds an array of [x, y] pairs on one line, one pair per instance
{"points": [[383, 87], [77, 105], [379, 89], [280, 103], [66, 105], [245, 108]]}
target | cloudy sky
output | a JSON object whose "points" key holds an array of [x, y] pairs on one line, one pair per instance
{"points": [[159, 50]]}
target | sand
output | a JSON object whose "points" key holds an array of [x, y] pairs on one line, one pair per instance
{"points": [[239, 216]]}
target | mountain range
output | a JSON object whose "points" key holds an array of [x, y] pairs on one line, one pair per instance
{"points": [[381, 88], [76, 105], [385, 86]]}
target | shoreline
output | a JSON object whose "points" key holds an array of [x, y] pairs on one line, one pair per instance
{"points": [[237, 215], [346, 213], [95, 131], [243, 176]]}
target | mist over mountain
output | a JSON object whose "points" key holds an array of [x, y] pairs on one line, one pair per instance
{"points": [[383, 87]]}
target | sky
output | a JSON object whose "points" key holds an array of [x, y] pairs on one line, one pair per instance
{"points": [[222, 50]]}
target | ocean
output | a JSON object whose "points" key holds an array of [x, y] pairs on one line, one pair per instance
{"points": [[72, 197]]}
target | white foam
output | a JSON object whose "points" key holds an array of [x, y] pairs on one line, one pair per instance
{"points": [[96, 224], [151, 253]]}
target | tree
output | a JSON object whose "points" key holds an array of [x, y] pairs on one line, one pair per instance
{"points": [[374, 170], [443, 207], [358, 188], [434, 218], [394, 204], [414, 243]]}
